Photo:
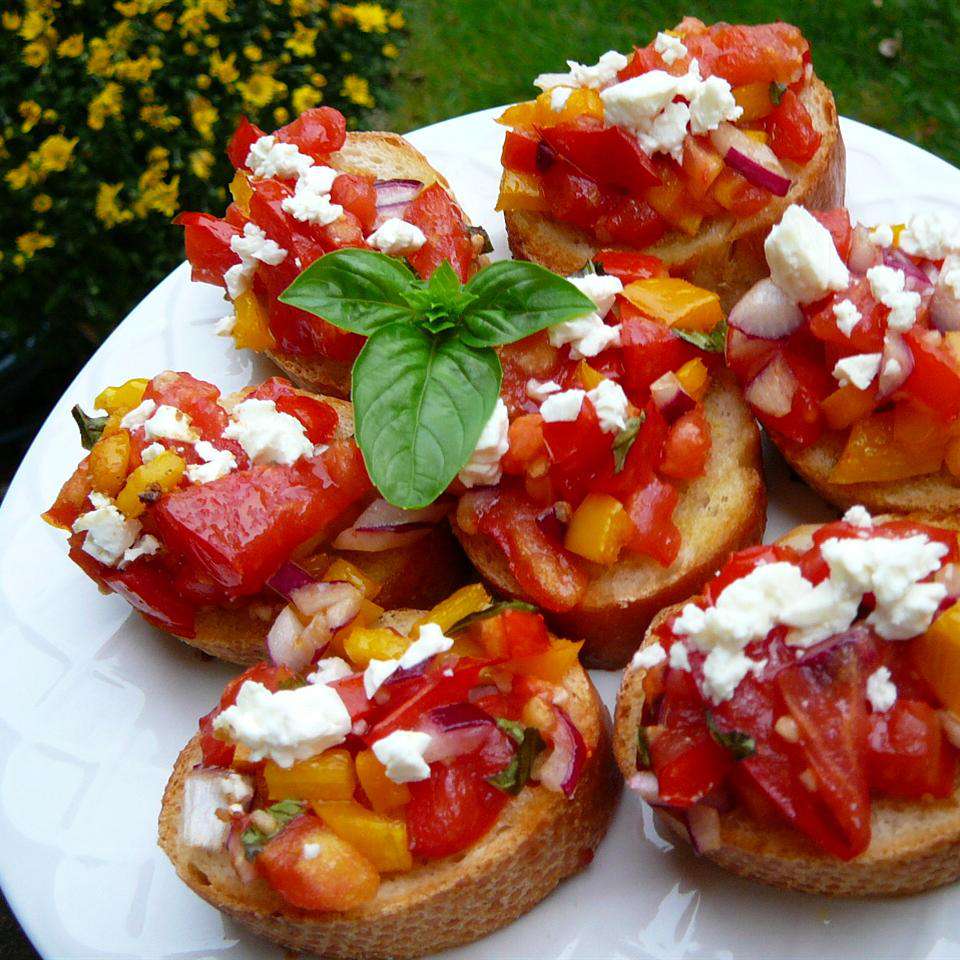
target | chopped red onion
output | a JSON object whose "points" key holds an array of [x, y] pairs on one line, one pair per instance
{"points": [[670, 397], [703, 825], [894, 374], [562, 769], [772, 390], [765, 311], [754, 160], [864, 253], [396, 191], [288, 578]]}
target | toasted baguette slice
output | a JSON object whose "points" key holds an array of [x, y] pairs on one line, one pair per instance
{"points": [[386, 156], [539, 839], [727, 254], [721, 511], [914, 846]]}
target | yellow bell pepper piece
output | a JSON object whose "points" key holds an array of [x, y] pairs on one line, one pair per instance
{"points": [[241, 191], [937, 657], [157, 477], [109, 460], [694, 378], [252, 328], [520, 191], [369, 613], [121, 400], [342, 569], [914, 427], [872, 453], [755, 100], [466, 600], [519, 114], [364, 644], [759, 135], [847, 405], [676, 303], [897, 229], [540, 113], [384, 795], [589, 377], [381, 840], [330, 776], [552, 665], [599, 528]]}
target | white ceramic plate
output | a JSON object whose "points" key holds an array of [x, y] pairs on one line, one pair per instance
{"points": [[95, 705]]}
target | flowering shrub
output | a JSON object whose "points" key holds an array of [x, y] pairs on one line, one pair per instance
{"points": [[113, 116]]}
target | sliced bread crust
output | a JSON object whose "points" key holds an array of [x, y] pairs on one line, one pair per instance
{"points": [[914, 846], [539, 839], [727, 255], [719, 512]]}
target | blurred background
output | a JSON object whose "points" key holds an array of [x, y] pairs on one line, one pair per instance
{"points": [[114, 116]]}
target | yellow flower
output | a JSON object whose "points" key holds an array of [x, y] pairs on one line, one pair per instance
{"points": [[304, 98], [120, 35], [203, 116], [318, 80], [370, 17], [390, 50], [33, 24], [99, 58], [190, 48], [159, 158], [346, 56], [147, 94], [303, 41], [137, 70], [31, 112], [156, 195], [396, 21], [71, 47], [157, 116], [260, 90], [357, 90], [11, 20], [163, 21], [106, 104], [201, 163], [106, 208], [193, 20], [211, 41], [203, 81], [35, 54], [29, 243], [55, 153], [253, 53], [304, 8], [280, 116], [22, 176], [224, 70], [42, 202], [49, 115]]}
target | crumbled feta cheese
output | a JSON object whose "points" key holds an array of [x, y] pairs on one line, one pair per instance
{"points": [[562, 407], [429, 643], [667, 131], [858, 370], [151, 452], [881, 235], [647, 657], [559, 97], [848, 316], [250, 246], [611, 403], [266, 434], [329, 670], [803, 260], [887, 285], [950, 275], [670, 48], [587, 336], [285, 726], [216, 463], [679, 656], [270, 157], [712, 104], [169, 423], [311, 851], [930, 235], [397, 238], [109, 534], [858, 516], [146, 546], [224, 326], [376, 674], [599, 75], [100, 499], [483, 467], [891, 375], [139, 415], [634, 103], [237, 278], [881, 691], [539, 390], [402, 754], [602, 289], [310, 202]]}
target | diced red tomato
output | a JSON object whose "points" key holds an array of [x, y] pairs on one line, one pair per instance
{"points": [[630, 221], [688, 446], [573, 196], [242, 140], [867, 335], [650, 350], [579, 449], [628, 266], [196, 398], [792, 135], [643, 458], [935, 380], [304, 335], [318, 132], [358, 195], [514, 634], [207, 240], [761, 53], [742, 563], [519, 152], [435, 213], [838, 223], [319, 419], [651, 507], [72, 499]]}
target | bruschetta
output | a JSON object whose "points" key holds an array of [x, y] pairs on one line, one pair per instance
{"points": [[630, 466], [797, 721], [308, 188], [193, 507], [849, 354], [411, 786], [689, 148]]}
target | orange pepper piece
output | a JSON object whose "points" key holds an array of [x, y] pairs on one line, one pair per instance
{"points": [[873, 454]]}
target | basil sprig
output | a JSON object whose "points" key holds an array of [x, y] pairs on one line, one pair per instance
{"points": [[741, 745], [427, 379], [91, 428], [514, 777], [625, 439], [713, 341]]}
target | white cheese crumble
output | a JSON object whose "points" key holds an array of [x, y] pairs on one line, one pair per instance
{"points": [[611, 403], [397, 238], [376, 674], [881, 691], [647, 657], [602, 289], [712, 104], [204, 793], [225, 325], [402, 754], [251, 246], [857, 370], [858, 516], [848, 316], [169, 423], [559, 97], [562, 407], [881, 235], [270, 157], [601, 74], [887, 285], [139, 415], [329, 670], [151, 452], [930, 235], [539, 390], [430, 643], [109, 534], [483, 467], [803, 260], [266, 434], [670, 48], [588, 336], [216, 463], [285, 726], [310, 202], [146, 546], [679, 656]]}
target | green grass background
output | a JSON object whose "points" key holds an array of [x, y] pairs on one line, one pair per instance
{"points": [[464, 55]]}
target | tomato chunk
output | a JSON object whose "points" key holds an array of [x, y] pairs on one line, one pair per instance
{"points": [[317, 132], [207, 240], [435, 213], [791, 130]]}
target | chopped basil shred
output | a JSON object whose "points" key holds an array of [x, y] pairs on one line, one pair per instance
{"points": [[712, 342], [777, 90], [91, 428], [253, 840], [514, 777], [492, 611], [624, 441], [741, 745], [643, 749]]}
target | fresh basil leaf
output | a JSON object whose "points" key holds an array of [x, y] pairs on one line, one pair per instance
{"points": [[439, 303], [420, 403], [624, 441], [643, 749], [91, 428], [741, 745], [254, 839], [515, 299], [515, 776], [777, 90], [712, 342], [356, 290], [492, 611]]}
